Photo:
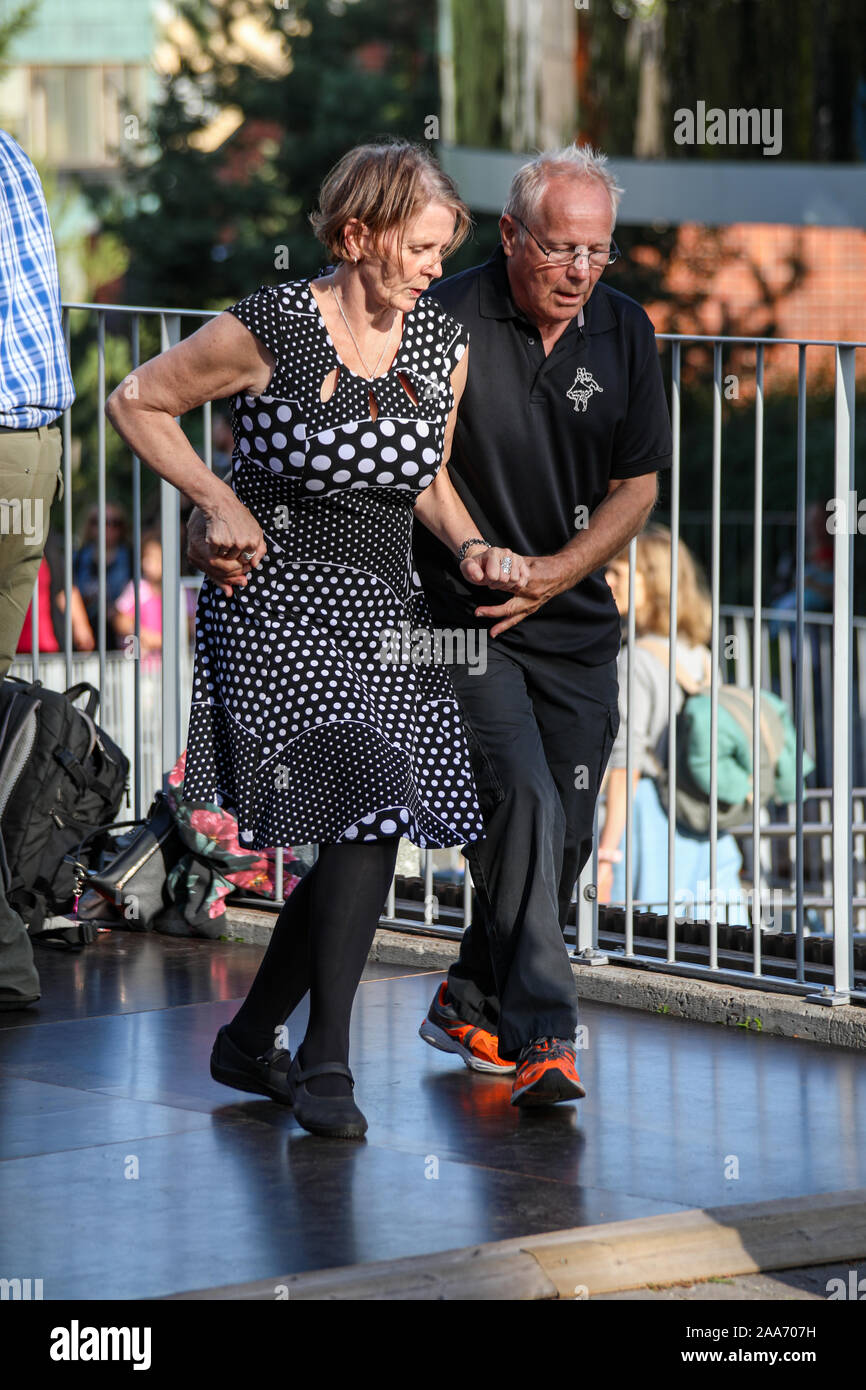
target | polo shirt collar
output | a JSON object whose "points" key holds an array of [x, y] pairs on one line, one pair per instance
{"points": [[497, 302]]}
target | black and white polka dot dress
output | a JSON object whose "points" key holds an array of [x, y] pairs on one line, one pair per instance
{"points": [[298, 724]]}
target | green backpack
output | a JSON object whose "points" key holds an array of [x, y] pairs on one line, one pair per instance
{"points": [[778, 750]]}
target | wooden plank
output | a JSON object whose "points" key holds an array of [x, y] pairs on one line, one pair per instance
{"points": [[699, 1244], [577, 1263], [493, 1272]]}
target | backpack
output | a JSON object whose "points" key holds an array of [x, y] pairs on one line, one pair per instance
{"points": [[778, 749], [61, 778]]}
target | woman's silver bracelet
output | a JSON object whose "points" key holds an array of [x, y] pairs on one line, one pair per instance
{"points": [[473, 540]]}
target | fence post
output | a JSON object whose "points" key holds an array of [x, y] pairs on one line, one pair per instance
{"points": [[845, 523], [586, 948], [757, 592], [800, 669], [676, 435], [170, 518]]}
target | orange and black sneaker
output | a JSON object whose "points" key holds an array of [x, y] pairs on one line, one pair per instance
{"points": [[546, 1073], [443, 1029]]}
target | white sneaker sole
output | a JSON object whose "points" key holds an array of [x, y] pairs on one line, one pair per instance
{"points": [[437, 1037]]}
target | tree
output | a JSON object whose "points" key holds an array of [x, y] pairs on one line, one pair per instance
{"points": [[205, 226], [20, 19]]}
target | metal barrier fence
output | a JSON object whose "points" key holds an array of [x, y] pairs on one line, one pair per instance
{"points": [[147, 710]]}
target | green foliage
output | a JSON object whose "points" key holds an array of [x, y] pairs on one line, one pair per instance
{"points": [[204, 228], [13, 24], [478, 28], [803, 58]]}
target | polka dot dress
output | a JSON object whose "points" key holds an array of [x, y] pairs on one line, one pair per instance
{"points": [[309, 718]]}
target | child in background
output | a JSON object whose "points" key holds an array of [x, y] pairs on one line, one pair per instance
{"points": [[650, 718], [150, 593]]}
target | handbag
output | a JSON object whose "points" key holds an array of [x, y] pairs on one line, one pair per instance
{"points": [[134, 882]]}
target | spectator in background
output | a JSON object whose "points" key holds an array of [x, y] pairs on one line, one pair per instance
{"points": [[52, 606], [150, 596], [118, 566], [35, 388], [818, 573], [650, 718]]}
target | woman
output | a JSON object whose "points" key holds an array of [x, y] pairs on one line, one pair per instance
{"points": [[345, 391], [650, 718]]}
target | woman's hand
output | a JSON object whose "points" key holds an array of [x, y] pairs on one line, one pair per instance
{"points": [[484, 565], [217, 540], [231, 530]]}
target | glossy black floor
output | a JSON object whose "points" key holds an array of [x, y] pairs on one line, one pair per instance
{"points": [[127, 1172]]}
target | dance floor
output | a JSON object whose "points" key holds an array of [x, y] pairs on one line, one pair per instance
{"points": [[127, 1172]]}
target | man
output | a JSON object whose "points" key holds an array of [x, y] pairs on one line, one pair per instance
{"points": [[561, 431], [35, 387]]}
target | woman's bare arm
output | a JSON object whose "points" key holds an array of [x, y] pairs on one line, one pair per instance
{"points": [[223, 358]]}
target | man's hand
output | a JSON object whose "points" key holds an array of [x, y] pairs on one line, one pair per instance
{"points": [[544, 579], [224, 571]]}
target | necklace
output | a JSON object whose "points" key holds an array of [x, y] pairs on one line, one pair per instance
{"points": [[370, 375]]}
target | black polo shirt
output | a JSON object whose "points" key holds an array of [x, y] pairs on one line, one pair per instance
{"points": [[537, 440]]}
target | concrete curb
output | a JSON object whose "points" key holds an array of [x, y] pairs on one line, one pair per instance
{"points": [[673, 996]]}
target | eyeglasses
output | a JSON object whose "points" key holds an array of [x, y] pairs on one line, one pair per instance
{"points": [[596, 259]]}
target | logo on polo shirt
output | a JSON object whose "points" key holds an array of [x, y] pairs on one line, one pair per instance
{"points": [[582, 388]]}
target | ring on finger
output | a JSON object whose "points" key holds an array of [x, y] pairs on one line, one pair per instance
{"points": [[505, 565]]}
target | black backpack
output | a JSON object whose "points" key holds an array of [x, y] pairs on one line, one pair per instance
{"points": [[61, 777]]}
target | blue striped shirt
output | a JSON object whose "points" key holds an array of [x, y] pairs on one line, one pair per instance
{"points": [[35, 378]]}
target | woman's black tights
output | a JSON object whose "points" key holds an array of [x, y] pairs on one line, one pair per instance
{"points": [[320, 943]]}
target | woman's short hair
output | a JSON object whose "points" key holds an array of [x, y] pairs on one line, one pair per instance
{"points": [[653, 560], [384, 186]]}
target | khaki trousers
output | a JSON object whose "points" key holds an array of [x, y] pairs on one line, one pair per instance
{"points": [[30, 480]]}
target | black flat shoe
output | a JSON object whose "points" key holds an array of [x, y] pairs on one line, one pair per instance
{"points": [[333, 1117], [265, 1076]]}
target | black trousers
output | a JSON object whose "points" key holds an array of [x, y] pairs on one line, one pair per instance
{"points": [[540, 729]]}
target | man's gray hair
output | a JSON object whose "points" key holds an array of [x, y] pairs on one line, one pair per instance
{"points": [[575, 161]]}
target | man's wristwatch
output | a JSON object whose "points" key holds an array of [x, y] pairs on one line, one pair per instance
{"points": [[473, 540]]}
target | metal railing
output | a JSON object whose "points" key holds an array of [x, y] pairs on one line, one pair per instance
{"points": [[148, 711]]}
